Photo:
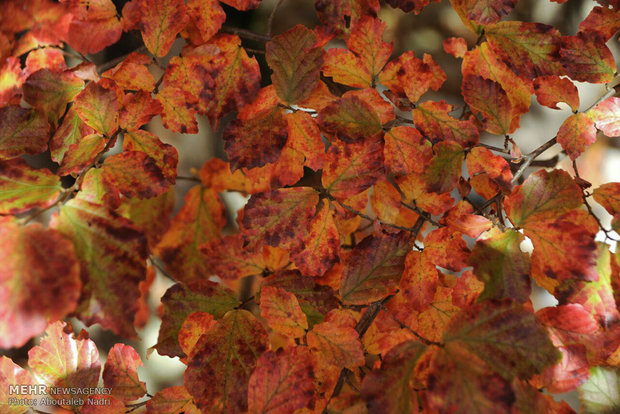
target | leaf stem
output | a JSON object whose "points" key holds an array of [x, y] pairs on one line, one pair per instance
{"points": [[527, 159]]}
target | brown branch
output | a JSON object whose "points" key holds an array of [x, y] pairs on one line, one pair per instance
{"points": [[272, 16], [527, 159], [246, 34], [110, 64]]}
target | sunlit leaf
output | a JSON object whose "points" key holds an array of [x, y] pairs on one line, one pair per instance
{"points": [[161, 21], [98, 105], [121, 373], [601, 394], [576, 134], [22, 187], [282, 311], [550, 90], [336, 341]]}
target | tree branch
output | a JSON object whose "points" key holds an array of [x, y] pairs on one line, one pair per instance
{"points": [[246, 34]]}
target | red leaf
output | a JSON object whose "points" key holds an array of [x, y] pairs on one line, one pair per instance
{"points": [[135, 174], [335, 342], [481, 160], [111, 273], [165, 155], [200, 220], [352, 168], [207, 16], [444, 170], [406, 151], [121, 373], [576, 134], [258, 134], [435, 122], [22, 131], [161, 21], [242, 4], [282, 382], [282, 312], [47, 58], [552, 89], [69, 363], [98, 105], [461, 218], [455, 46], [489, 99], [419, 281], [94, 26], [225, 358], [373, 269], [50, 92], [606, 116], [587, 58], [138, 109], [601, 21], [37, 263], [350, 118], [411, 77], [446, 248], [499, 262], [182, 300], [484, 12], [13, 374], [172, 400], [296, 61], [341, 15], [22, 187]]}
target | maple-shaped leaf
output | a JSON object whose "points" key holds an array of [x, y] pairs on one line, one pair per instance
{"points": [[601, 394], [434, 120], [446, 248], [50, 92], [111, 272], [366, 55], [488, 98], [200, 220], [586, 58], [94, 26], [444, 169], [406, 151], [576, 133], [207, 18], [22, 131], [121, 373], [165, 156], [304, 137], [296, 61], [374, 268], [569, 327], [225, 357], [415, 6], [194, 326], [529, 49], [69, 363], [335, 341], [550, 90], [172, 400], [135, 174], [352, 168], [341, 15], [506, 336], [544, 195], [606, 116], [38, 263], [481, 160], [603, 21], [315, 300], [502, 266], [351, 117], [389, 388], [227, 258], [282, 382], [236, 77], [258, 134], [410, 77], [281, 217], [161, 21], [596, 296], [484, 12], [282, 312], [98, 106], [71, 131], [22, 187], [470, 386], [419, 281], [181, 300], [12, 374], [138, 109], [132, 73], [81, 154]]}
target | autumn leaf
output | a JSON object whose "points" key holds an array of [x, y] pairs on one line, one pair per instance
{"points": [[304, 137], [82, 154], [576, 134], [488, 98], [373, 269], [21, 131], [63, 361], [23, 187], [11, 374], [411, 77], [181, 300], [282, 311], [38, 263], [71, 131], [601, 393], [50, 92], [283, 381], [165, 156], [444, 169], [172, 400], [161, 21], [295, 60], [434, 120], [226, 356], [602, 21], [415, 6], [110, 273], [206, 16], [606, 116], [121, 373], [484, 12], [135, 174], [132, 73], [336, 341], [94, 27], [587, 58], [98, 106], [550, 90], [481, 160], [419, 281], [340, 16], [350, 118], [446, 248], [406, 151], [455, 46]]}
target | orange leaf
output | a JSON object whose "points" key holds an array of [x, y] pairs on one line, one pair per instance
{"points": [[132, 73], [336, 341], [435, 122], [161, 21], [50, 92], [419, 281], [165, 155], [135, 174], [172, 400], [282, 312], [489, 99], [481, 160], [586, 58], [576, 134], [455, 46], [98, 105], [94, 26], [121, 373], [195, 325], [304, 137], [411, 77], [446, 248], [406, 151], [207, 16], [552, 89]]}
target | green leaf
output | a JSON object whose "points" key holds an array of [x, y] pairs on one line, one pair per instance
{"points": [[23, 187], [601, 394], [50, 92]]}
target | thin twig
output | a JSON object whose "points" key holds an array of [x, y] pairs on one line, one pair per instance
{"points": [[371, 219], [110, 64], [246, 34], [194, 179], [527, 159], [492, 148], [271, 17]]}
